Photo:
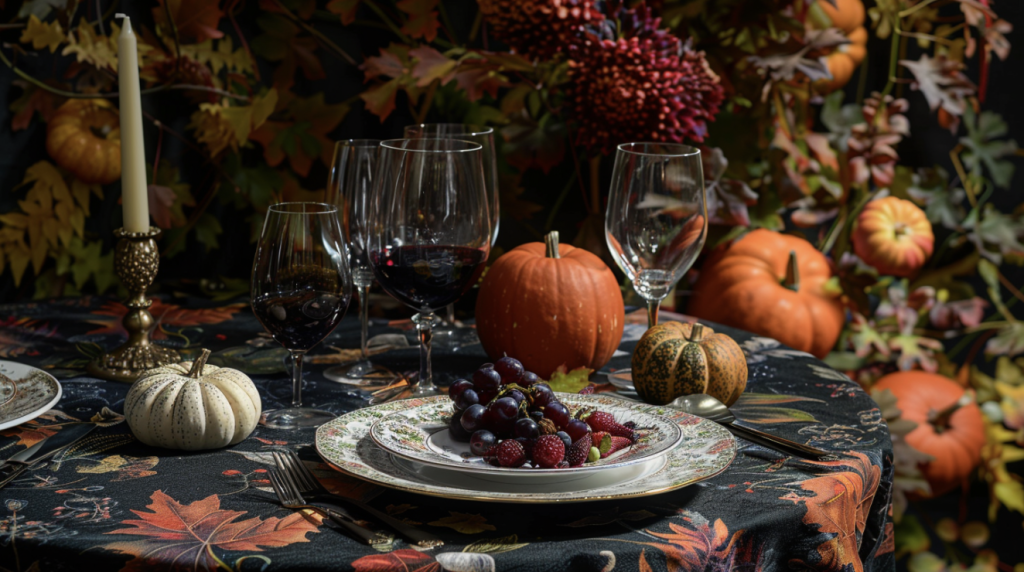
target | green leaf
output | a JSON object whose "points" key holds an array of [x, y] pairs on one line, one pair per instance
{"points": [[496, 545], [1009, 341], [772, 415], [571, 382], [1011, 493], [984, 149], [911, 537], [207, 230], [994, 233]]}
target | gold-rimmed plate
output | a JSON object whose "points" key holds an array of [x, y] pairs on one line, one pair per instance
{"points": [[704, 451], [37, 392]]}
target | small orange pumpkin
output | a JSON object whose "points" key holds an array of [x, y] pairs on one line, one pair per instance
{"points": [[947, 430], [84, 137], [894, 236], [549, 305], [771, 284], [848, 15], [674, 359]]}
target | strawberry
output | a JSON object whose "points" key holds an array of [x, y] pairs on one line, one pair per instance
{"points": [[549, 451], [510, 453], [602, 421], [577, 453], [597, 436], [611, 444]]}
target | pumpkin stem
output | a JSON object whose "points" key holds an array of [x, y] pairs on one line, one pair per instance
{"points": [[199, 364], [551, 244], [792, 279], [940, 419], [696, 333]]}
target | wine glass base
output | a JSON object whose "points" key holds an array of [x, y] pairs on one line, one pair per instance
{"points": [[622, 379], [297, 418], [359, 373], [453, 339]]}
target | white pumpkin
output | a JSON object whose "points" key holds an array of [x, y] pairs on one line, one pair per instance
{"points": [[192, 406]]}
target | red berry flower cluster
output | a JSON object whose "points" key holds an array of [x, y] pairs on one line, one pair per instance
{"points": [[538, 28]]}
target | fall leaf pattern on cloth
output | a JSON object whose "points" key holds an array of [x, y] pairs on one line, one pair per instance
{"points": [[185, 536]]}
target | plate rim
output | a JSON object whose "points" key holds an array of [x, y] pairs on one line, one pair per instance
{"points": [[514, 498], [527, 474], [37, 412]]}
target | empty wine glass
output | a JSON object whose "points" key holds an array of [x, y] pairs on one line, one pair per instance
{"points": [[429, 229], [656, 221], [456, 338], [301, 286], [348, 188]]}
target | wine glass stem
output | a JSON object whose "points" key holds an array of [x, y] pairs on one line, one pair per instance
{"points": [[424, 329], [297, 379], [450, 311], [364, 319], [652, 312]]}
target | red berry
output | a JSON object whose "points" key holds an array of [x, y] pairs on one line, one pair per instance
{"points": [[549, 451], [577, 453], [612, 444], [510, 453], [596, 438], [602, 421]]}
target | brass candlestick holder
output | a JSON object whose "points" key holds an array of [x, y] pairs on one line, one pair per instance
{"points": [[136, 259]]}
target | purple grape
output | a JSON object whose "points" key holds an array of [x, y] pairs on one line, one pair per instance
{"points": [[565, 439], [542, 395], [576, 429], [527, 428], [466, 398], [458, 386], [529, 378], [455, 427], [473, 418], [486, 379], [537, 415], [505, 408], [558, 413], [481, 442], [487, 396], [517, 395], [510, 370]]}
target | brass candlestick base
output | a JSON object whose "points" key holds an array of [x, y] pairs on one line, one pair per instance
{"points": [[136, 259]]}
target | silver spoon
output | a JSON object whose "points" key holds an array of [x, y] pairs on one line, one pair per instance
{"points": [[706, 406]]}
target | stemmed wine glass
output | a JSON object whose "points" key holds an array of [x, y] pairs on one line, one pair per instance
{"points": [[301, 286], [656, 221], [485, 137], [348, 188], [429, 229]]}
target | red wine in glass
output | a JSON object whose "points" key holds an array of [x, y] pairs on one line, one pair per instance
{"points": [[428, 277]]}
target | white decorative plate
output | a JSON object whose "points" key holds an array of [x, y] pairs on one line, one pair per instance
{"points": [[705, 450], [38, 391], [421, 434]]}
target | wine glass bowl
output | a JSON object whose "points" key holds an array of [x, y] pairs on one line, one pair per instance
{"points": [[430, 231], [301, 286]]}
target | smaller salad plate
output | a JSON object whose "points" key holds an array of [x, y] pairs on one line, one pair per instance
{"points": [[37, 392], [420, 434]]}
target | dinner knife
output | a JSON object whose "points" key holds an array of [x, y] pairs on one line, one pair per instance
{"points": [[45, 449]]}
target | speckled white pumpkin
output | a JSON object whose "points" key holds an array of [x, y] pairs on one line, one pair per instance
{"points": [[192, 406]]}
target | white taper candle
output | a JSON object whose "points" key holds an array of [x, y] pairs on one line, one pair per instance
{"points": [[134, 195]]}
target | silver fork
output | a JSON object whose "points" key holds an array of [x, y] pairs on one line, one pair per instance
{"points": [[315, 492], [290, 498]]}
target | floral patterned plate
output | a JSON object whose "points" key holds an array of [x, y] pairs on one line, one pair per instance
{"points": [[37, 392], [705, 450], [421, 434]]}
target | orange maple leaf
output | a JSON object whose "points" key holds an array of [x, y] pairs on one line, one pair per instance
{"points": [[840, 507], [32, 432], [695, 546], [185, 535], [404, 560], [193, 18], [110, 315]]}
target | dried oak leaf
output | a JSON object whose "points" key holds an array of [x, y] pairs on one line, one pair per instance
{"points": [[942, 82], [177, 533], [42, 34], [782, 67], [727, 199]]}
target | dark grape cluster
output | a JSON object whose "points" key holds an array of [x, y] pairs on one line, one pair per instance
{"points": [[502, 401]]}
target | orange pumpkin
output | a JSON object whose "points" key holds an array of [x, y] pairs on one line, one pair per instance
{"points": [[947, 430], [84, 137], [894, 236], [674, 359], [549, 305], [848, 16], [771, 284]]}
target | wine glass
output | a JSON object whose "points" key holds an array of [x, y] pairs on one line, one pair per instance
{"points": [[301, 286], [455, 338], [348, 188], [429, 229], [656, 221]]}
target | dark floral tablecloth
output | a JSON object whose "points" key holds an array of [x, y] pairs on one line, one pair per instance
{"points": [[113, 504]]}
